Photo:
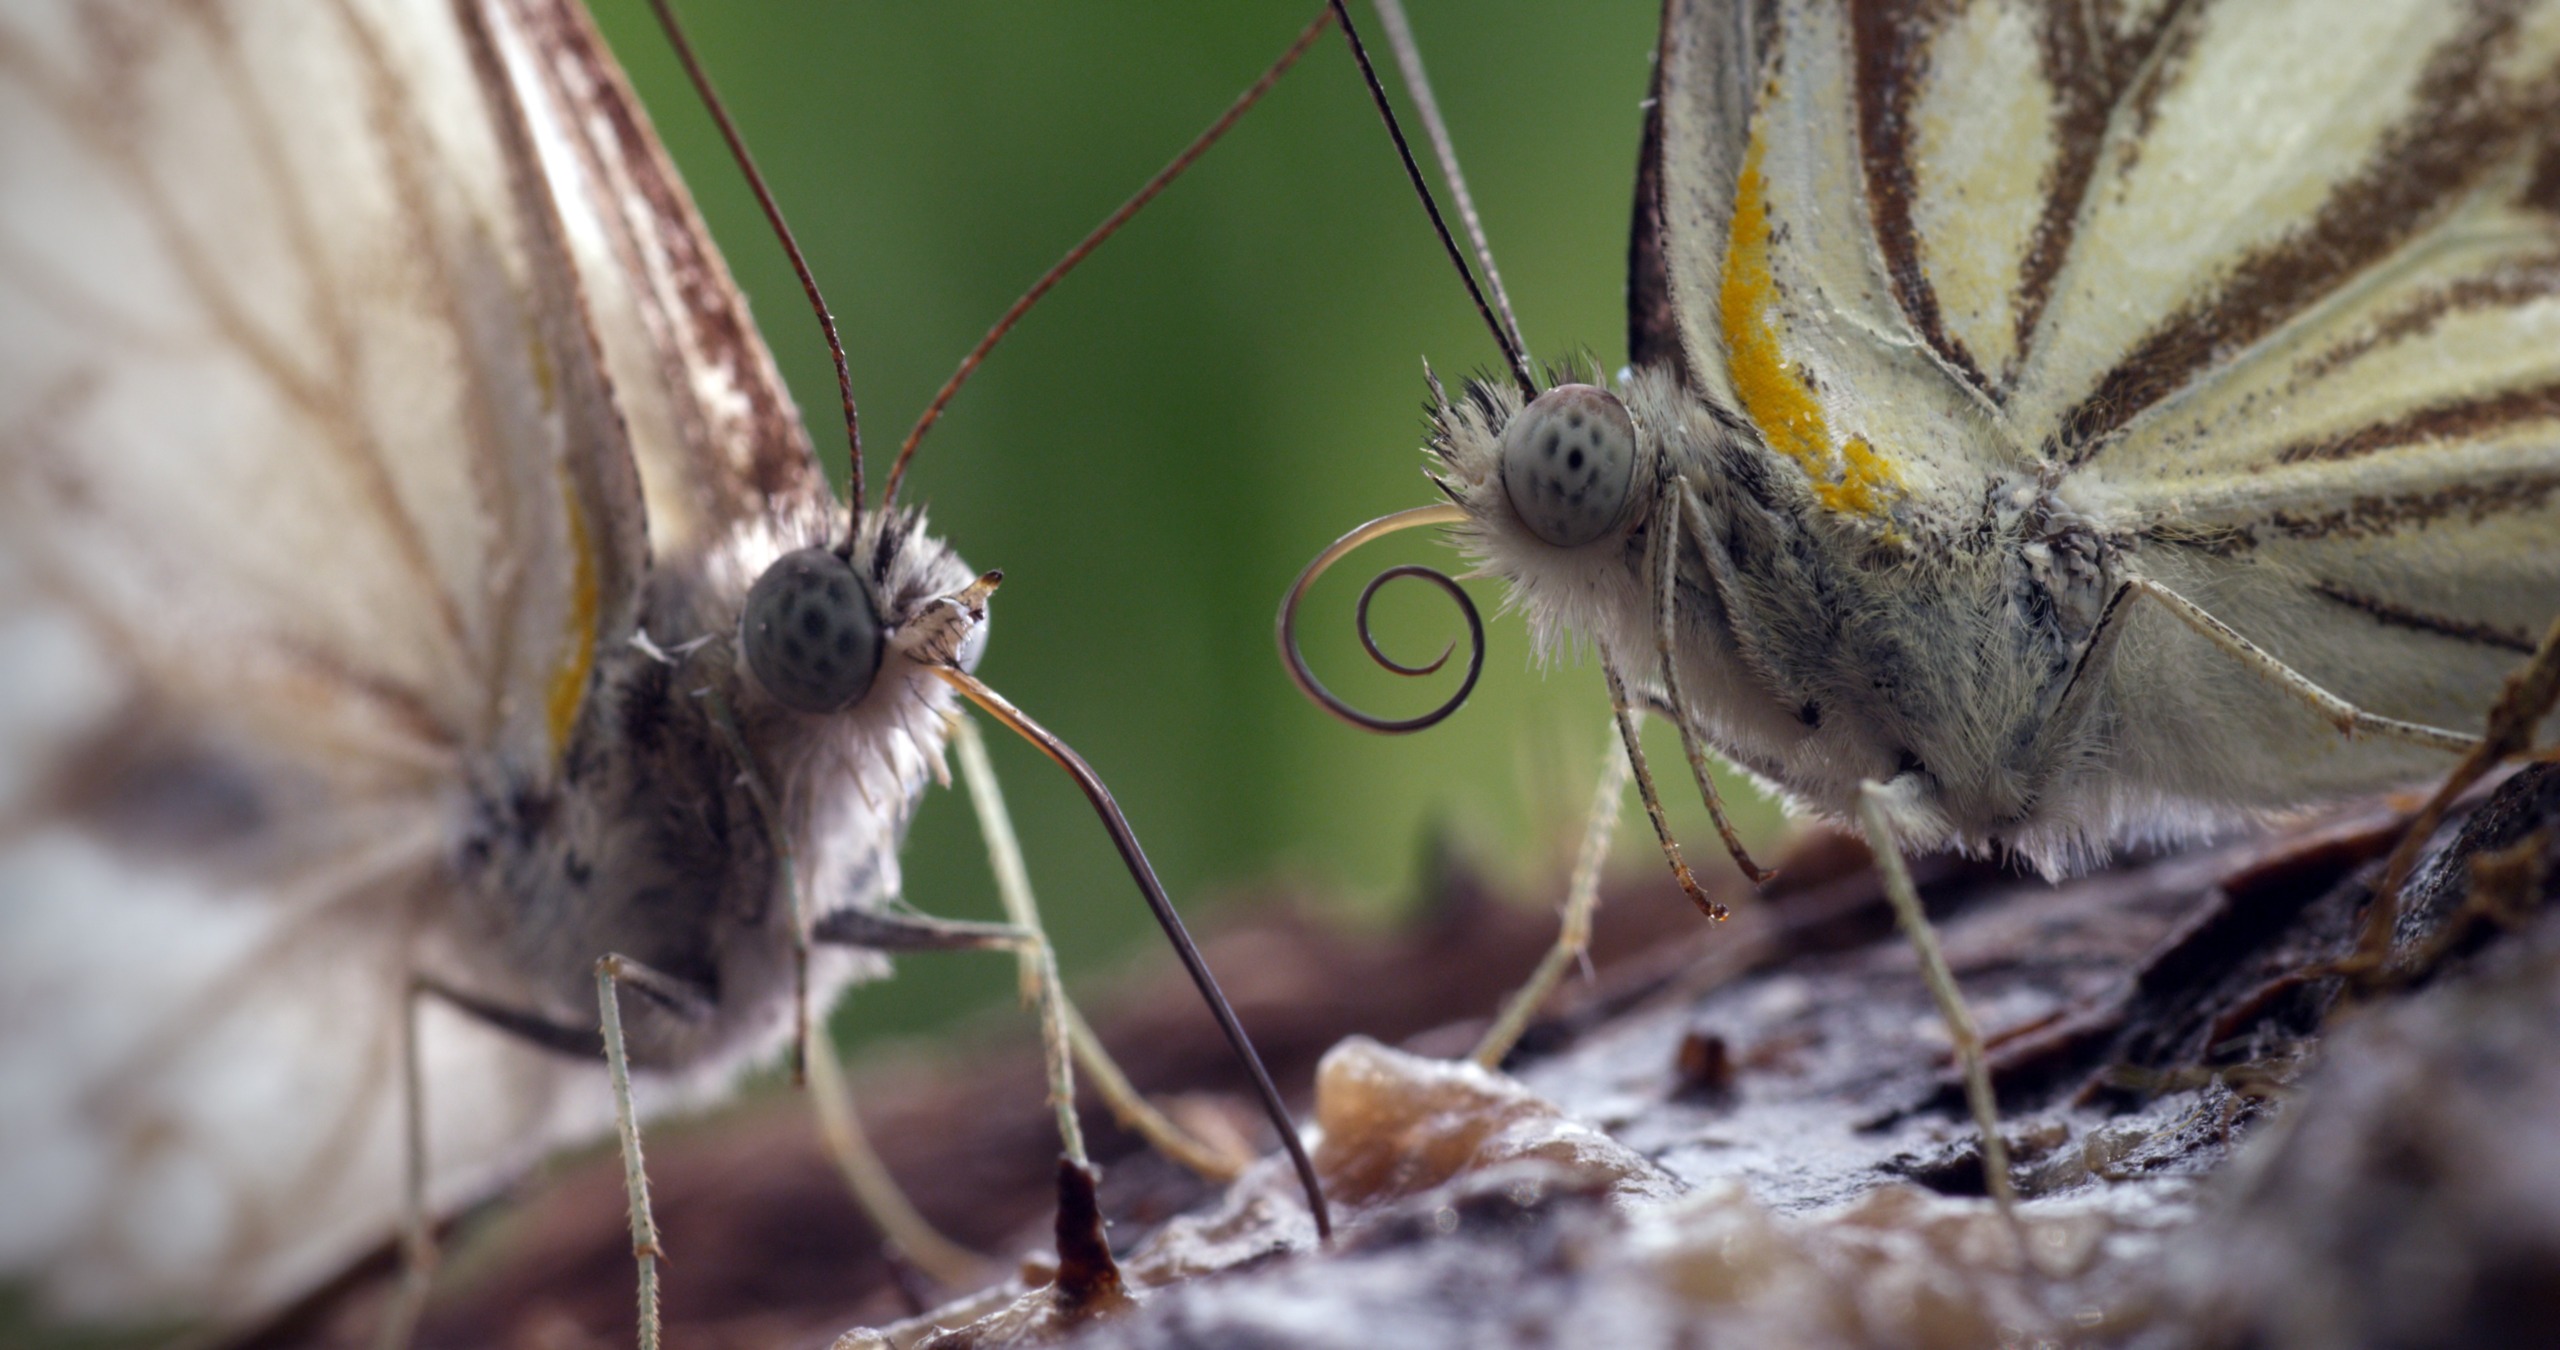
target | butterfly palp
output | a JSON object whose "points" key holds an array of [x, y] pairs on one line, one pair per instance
{"points": [[1568, 464], [811, 633]]}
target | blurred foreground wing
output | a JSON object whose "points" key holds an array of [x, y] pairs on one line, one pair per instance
{"points": [[316, 504]]}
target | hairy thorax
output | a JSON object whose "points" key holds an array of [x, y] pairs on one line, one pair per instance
{"points": [[686, 808], [1927, 646]]}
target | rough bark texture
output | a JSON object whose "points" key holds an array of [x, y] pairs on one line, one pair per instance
{"points": [[1749, 1135]]}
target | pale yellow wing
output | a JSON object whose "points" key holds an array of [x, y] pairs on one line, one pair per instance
{"points": [[2315, 375], [1772, 245], [2271, 288]]}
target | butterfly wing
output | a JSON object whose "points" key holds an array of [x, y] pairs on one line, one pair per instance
{"points": [[2308, 359], [1760, 248], [720, 448], [319, 497], [2276, 283]]}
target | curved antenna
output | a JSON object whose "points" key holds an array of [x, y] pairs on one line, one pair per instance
{"points": [[773, 215], [1417, 85], [1135, 857], [1111, 224], [1445, 513], [1512, 354]]}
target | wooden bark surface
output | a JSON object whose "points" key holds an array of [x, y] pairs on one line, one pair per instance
{"points": [[1745, 1135]]}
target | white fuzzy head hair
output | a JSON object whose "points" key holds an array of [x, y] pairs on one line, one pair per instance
{"points": [[1556, 492]]}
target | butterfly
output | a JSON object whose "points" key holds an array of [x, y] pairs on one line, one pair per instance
{"points": [[2051, 426], [415, 586]]}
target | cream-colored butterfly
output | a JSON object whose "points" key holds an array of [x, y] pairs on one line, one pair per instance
{"points": [[415, 588], [2054, 424]]}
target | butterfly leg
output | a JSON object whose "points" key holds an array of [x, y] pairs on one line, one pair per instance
{"points": [[840, 1129], [900, 1223], [611, 971], [1666, 568], [1065, 1036], [1625, 712], [890, 931], [2349, 719], [1065, 1033], [670, 995], [1581, 900], [831, 1098], [417, 1234], [1961, 1031]]}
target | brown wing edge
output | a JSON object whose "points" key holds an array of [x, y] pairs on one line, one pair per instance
{"points": [[603, 476], [749, 452], [1653, 325]]}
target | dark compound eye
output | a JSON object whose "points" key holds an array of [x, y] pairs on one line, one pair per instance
{"points": [[810, 632], [1568, 464]]}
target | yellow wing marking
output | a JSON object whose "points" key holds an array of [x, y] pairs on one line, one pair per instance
{"points": [[1853, 478], [569, 681]]}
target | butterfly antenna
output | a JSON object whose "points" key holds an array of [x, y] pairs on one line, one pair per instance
{"points": [[1164, 177], [1512, 352], [1417, 85], [782, 231]]}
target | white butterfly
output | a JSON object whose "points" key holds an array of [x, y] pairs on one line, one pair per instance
{"points": [[388, 460], [2054, 424]]}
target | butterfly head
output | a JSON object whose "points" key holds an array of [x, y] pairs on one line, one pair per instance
{"points": [[1547, 493], [823, 655], [818, 625], [1556, 492]]}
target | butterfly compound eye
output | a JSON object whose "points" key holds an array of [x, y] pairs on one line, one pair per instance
{"points": [[1569, 464], [810, 632]]}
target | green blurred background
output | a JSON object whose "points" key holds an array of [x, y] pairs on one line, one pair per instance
{"points": [[1233, 381]]}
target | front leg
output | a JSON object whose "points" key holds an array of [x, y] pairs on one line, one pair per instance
{"points": [[885, 931], [417, 1232], [1630, 735], [1666, 637], [1064, 1033], [668, 994], [678, 997], [1581, 901], [1961, 1031], [2350, 720]]}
